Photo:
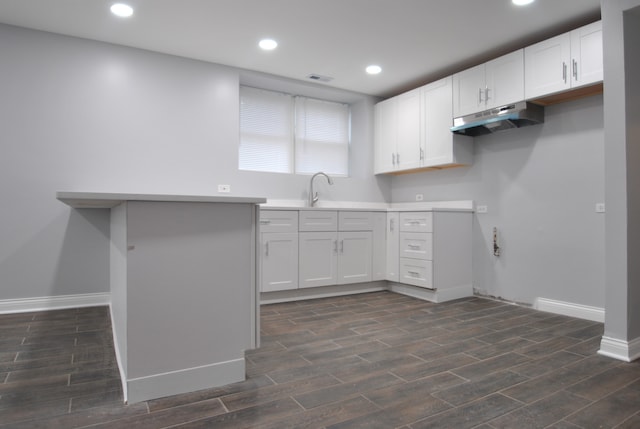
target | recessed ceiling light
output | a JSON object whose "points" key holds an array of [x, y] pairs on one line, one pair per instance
{"points": [[268, 44], [122, 10], [373, 69], [521, 2]]}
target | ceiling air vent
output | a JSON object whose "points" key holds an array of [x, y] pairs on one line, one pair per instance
{"points": [[320, 78]]}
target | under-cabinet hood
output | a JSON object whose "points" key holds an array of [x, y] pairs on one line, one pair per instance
{"points": [[514, 115]]}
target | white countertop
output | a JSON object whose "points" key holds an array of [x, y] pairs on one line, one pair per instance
{"points": [[106, 200], [464, 205]]}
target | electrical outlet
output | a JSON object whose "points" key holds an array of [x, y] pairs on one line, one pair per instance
{"points": [[419, 197], [224, 188], [482, 209], [599, 207]]}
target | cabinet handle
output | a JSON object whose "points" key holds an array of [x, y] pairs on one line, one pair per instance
{"points": [[414, 273], [266, 248], [392, 223], [265, 221], [575, 69], [421, 154], [486, 94], [413, 246], [479, 96], [398, 158], [335, 246], [564, 72], [341, 246], [393, 159]]}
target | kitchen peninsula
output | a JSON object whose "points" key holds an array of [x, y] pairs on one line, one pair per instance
{"points": [[184, 301]]}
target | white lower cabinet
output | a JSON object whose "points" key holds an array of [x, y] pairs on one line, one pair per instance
{"points": [[314, 248], [329, 258], [431, 250], [393, 247], [279, 261], [318, 259], [354, 257]]}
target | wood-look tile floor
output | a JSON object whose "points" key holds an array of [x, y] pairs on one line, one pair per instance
{"points": [[378, 360]]}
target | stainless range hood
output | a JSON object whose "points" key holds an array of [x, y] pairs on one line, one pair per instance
{"points": [[515, 115]]}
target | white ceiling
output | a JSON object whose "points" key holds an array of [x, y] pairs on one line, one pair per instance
{"points": [[415, 41]]}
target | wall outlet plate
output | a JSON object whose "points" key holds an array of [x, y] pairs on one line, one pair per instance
{"points": [[224, 189], [419, 197], [482, 209], [599, 207]]}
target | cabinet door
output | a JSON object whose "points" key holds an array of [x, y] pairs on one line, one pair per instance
{"points": [[393, 246], [437, 105], [547, 66], [354, 261], [408, 152], [386, 135], [505, 80], [468, 91], [318, 259], [586, 55], [379, 246], [279, 261]]}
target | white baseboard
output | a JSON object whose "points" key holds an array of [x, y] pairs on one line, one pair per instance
{"points": [[595, 314], [439, 295], [23, 305], [185, 380], [320, 292], [626, 351]]}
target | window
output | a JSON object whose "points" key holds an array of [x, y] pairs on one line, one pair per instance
{"points": [[282, 133]]}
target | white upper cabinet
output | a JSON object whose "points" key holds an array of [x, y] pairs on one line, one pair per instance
{"points": [[413, 131], [397, 133], [492, 84], [385, 135], [440, 146], [586, 55], [408, 150], [563, 62]]}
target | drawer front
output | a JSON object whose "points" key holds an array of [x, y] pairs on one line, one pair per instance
{"points": [[416, 222], [355, 221], [416, 245], [278, 221], [318, 220], [416, 272]]}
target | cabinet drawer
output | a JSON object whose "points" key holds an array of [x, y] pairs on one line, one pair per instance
{"points": [[416, 245], [355, 221], [416, 272], [318, 220], [278, 221], [416, 222]]}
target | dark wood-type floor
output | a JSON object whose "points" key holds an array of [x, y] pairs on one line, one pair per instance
{"points": [[378, 360]]}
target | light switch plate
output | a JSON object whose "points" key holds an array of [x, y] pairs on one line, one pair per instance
{"points": [[599, 207]]}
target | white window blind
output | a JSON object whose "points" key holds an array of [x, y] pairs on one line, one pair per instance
{"points": [[321, 137], [266, 131], [285, 134]]}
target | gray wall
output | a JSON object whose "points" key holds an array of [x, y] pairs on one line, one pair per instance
{"points": [[89, 116], [541, 184]]}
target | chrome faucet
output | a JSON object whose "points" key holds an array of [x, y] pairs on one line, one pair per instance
{"points": [[313, 197]]}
